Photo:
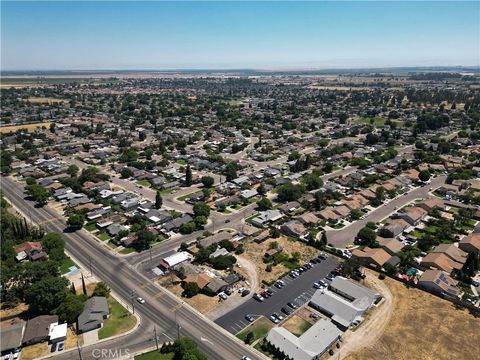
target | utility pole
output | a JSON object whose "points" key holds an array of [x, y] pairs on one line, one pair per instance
{"points": [[150, 249], [132, 296], [155, 335], [79, 348], [90, 262]]}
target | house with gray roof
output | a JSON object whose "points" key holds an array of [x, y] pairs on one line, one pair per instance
{"points": [[94, 312], [11, 335], [312, 344]]}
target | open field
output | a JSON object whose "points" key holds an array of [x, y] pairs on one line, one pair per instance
{"points": [[254, 252], [423, 326], [44, 100], [29, 127]]}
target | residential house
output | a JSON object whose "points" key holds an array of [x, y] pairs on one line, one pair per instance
{"points": [[172, 261], [439, 282], [391, 246], [376, 256], [31, 250], [267, 217], [328, 214], [308, 218], [413, 215], [397, 226], [470, 243], [38, 329], [452, 252], [432, 203], [11, 333], [440, 261], [95, 311], [294, 228]]}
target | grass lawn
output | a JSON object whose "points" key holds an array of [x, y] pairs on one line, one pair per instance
{"points": [[249, 219], [119, 321], [127, 250], [260, 329], [90, 227], [296, 325], [154, 355], [103, 236], [181, 162], [377, 121], [145, 183], [185, 197], [169, 191], [66, 263]]}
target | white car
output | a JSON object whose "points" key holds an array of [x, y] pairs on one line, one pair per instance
{"points": [[141, 300]]}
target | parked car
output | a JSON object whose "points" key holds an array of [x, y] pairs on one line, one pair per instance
{"points": [[269, 292], [274, 319], [316, 285], [330, 276], [61, 346], [322, 256], [292, 305], [323, 283], [223, 296], [249, 318], [286, 311], [278, 316], [245, 292], [258, 297], [265, 294]]}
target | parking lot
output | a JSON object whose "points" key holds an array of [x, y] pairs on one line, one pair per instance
{"points": [[297, 290]]}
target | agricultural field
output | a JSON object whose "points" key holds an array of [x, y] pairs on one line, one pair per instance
{"points": [[28, 127]]}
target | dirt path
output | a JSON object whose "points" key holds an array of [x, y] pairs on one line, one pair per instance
{"points": [[249, 270], [372, 329]]}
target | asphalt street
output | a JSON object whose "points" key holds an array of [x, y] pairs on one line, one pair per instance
{"points": [[162, 309], [340, 238], [298, 291]]}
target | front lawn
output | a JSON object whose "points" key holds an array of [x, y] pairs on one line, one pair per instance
{"points": [[119, 321], [90, 227], [127, 250], [260, 329], [103, 236], [66, 264]]}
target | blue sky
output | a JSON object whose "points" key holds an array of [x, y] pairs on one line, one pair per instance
{"points": [[263, 35]]}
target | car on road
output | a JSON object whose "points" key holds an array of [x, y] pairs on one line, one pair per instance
{"points": [[227, 221], [249, 318], [140, 300], [292, 305], [258, 297], [274, 319], [245, 358], [286, 311]]}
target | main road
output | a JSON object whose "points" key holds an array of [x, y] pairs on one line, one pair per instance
{"points": [[169, 314]]}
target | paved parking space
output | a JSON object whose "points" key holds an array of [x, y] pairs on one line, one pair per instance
{"points": [[298, 291]]}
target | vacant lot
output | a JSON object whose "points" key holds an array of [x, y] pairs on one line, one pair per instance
{"points": [[44, 100], [254, 252], [424, 327], [29, 127]]}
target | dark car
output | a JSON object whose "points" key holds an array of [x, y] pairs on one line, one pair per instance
{"points": [[330, 276], [245, 292], [269, 292], [286, 311], [250, 318], [292, 305], [265, 294], [322, 256], [315, 261]]}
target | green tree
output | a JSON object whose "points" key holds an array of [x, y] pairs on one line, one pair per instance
{"points": [[188, 176], [54, 245], [207, 181], [264, 203], [126, 173], [312, 181], [190, 289], [200, 221], [73, 170], [144, 239], [69, 310], [188, 228], [289, 192], [45, 295], [158, 200], [424, 175], [38, 193], [101, 289], [231, 171], [201, 209], [367, 236], [76, 220], [356, 214]]}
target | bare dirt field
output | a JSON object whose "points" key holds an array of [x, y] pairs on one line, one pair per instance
{"points": [[297, 325], [44, 100], [423, 327], [254, 252], [29, 127]]}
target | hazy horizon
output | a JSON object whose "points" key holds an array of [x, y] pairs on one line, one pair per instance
{"points": [[169, 36]]}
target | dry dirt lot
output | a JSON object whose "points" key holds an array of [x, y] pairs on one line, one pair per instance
{"points": [[297, 325], [255, 252], [423, 327], [200, 302], [29, 127]]}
